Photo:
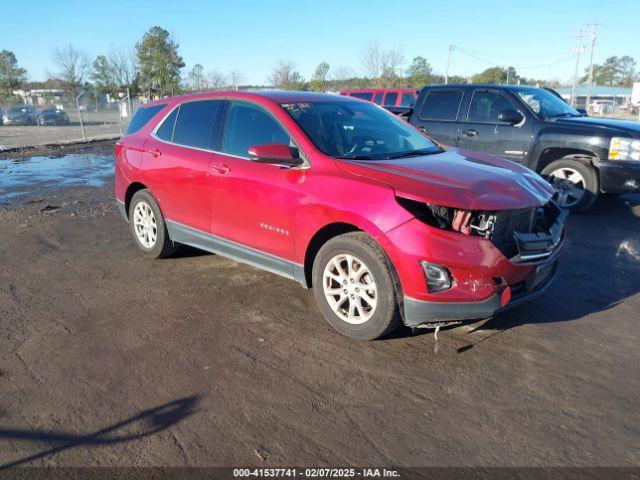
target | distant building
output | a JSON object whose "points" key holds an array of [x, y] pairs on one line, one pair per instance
{"points": [[618, 95], [41, 96]]}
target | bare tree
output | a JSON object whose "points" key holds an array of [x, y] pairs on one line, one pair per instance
{"points": [[391, 63], [343, 77], [381, 66], [216, 80], [372, 59], [124, 67], [285, 76], [73, 66]]}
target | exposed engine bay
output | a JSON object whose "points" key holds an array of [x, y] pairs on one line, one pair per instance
{"points": [[521, 235]]}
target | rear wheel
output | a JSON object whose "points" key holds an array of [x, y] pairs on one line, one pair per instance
{"points": [[148, 226], [575, 183], [354, 287]]}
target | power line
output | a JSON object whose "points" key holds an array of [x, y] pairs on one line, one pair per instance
{"points": [[510, 56], [529, 67]]}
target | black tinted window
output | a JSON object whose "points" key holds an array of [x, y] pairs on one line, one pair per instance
{"points": [[165, 132], [486, 106], [391, 98], [441, 105], [195, 123], [248, 125], [378, 98], [142, 117], [364, 95], [408, 100]]}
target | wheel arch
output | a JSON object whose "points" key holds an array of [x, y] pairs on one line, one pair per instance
{"points": [[130, 192], [551, 154]]}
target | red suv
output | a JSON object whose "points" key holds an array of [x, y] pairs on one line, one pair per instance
{"points": [[388, 97], [386, 225]]}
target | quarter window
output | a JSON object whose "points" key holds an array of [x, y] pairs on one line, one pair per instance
{"points": [[441, 105], [363, 95], [486, 106], [195, 123], [165, 132], [142, 117], [408, 100], [247, 126], [391, 98]]}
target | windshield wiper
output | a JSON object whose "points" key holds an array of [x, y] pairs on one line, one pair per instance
{"points": [[564, 114], [413, 153], [355, 157]]}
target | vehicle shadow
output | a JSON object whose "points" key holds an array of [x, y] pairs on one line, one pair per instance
{"points": [[599, 269], [144, 424]]}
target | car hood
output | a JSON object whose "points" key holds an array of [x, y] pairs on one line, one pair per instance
{"points": [[458, 178], [17, 115], [631, 127]]}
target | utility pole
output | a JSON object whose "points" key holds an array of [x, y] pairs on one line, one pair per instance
{"points": [[578, 49], [593, 47], [446, 72]]}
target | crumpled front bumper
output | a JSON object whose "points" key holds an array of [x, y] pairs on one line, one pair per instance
{"points": [[420, 312]]}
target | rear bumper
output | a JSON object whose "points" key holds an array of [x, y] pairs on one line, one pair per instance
{"points": [[619, 176], [420, 312]]}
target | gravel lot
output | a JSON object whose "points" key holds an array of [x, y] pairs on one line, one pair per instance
{"points": [[107, 358]]}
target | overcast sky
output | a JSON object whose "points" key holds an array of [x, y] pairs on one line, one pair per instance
{"points": [[250, 36]]}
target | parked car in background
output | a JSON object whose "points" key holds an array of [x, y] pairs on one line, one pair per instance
{"points": [[581, 156], [53, 116], [391, 97], [385, 225], [20, 115]]}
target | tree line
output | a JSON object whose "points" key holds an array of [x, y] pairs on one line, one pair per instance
{"points": [[153, 68]]}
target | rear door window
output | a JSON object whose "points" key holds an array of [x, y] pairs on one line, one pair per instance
{"points": [[391, 98], [441, 105], [378, 98], [142, 117], [195, 125], [249, 125]]}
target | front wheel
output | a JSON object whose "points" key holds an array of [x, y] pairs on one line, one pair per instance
{"points": [[575, 183], [354, 287]]}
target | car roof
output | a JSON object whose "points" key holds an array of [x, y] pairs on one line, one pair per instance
{"points": [[482, 85], [277, 96]]}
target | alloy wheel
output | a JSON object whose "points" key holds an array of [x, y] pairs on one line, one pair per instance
{"points": [[350, 289], [569, 185], [145, 227]]}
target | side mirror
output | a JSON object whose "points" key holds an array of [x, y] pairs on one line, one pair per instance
{"points": [[511, 116], [275, 153], [582, 111]]}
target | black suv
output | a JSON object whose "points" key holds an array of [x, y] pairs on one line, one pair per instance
{"points": [[581, 156]]}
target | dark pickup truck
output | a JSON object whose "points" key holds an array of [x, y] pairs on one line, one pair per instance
{"points": [[581, 156]]}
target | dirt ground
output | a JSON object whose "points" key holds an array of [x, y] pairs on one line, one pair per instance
{"points": [[107, 358]]}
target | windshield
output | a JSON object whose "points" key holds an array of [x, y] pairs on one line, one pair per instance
{"points": [[546, 104], [358, 130]]}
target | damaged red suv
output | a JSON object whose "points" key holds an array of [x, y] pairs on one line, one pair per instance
{"points": [[385, 225]]}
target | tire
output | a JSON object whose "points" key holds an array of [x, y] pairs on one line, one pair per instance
{"points": [[367, 319], [145, 216], [568, 177]]}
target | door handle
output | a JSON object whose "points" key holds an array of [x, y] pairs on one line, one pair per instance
{"points": [[472, 132], [154, 152], [221, 168], [422, 129]]}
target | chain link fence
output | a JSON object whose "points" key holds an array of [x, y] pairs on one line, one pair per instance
{"points": [[88, 120]]}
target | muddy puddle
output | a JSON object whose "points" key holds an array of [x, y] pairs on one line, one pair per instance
{"points": [[22, 178]]}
